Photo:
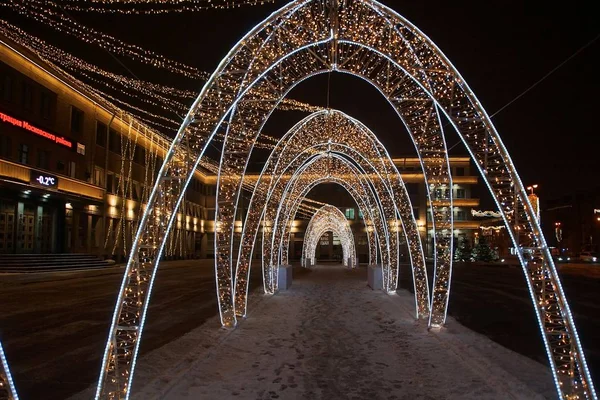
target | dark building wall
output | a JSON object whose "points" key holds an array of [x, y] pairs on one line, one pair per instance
{"points": [[578, 221]]}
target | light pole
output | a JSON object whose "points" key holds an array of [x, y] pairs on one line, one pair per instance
{"points": [[535, 201], [558, 234], [532, 188]]}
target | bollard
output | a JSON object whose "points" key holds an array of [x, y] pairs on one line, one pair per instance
{"points": [[284, 277], [375, 277]]}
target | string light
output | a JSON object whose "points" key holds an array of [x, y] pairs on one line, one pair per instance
{"points": [[479, 213], [152, 6], [7, 386], [331, 131], [75, 64], [370, 41], [61, 22]]}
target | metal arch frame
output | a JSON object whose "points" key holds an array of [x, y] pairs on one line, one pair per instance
{"points": [[329, 218], [384, 198], [8, 390], [386, 172], [364, 205], [442, 216], [387, 32], [386, 203], [302, 134], [301, 187], [362, 193], [349, 258], [241, 280], [277, 206], [264, 188]]}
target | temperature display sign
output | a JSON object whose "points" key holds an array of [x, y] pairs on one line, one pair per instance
{"points": [[43, 179]]}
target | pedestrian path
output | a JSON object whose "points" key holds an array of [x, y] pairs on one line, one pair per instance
{"points": [[331, 337]]}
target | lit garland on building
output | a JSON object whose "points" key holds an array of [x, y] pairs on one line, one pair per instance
{"points": [[479, 213], [373, 42], [162, 97]]}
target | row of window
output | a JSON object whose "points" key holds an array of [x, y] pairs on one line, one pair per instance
{"points": [[43, 158], [459, 215], [456, 171], [459, 193], [39, 101], [199, 187], [35, 99], [139, 154], [103, 134]]}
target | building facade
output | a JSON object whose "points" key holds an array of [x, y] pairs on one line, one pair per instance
{"points": [[75, 172]]}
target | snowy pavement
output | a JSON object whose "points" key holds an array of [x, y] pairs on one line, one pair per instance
{"points": [[331, 337]]}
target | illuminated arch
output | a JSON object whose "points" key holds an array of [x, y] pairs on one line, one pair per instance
{"points": [[329, 219], [330, 168], [347, 136], [334, 168], [322, 168], [7, 387], [331, 131], [371, 41]]}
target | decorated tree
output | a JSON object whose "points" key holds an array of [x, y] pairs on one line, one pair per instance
{"points": [[483, 252], [463, 251]]}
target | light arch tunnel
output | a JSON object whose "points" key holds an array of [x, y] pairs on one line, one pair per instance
{"points": [[329, 219], [388, 206], [368, 40]]}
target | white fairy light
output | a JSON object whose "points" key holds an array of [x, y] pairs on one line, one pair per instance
{"points": [[368, 40]]}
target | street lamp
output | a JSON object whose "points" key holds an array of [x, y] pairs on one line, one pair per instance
{"points": [[535, 201], [532, 187]]}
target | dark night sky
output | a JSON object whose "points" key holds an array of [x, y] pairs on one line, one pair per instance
{"points": [[500, 48]]}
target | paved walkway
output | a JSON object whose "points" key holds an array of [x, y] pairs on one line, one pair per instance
{"points": [[331, 337]]}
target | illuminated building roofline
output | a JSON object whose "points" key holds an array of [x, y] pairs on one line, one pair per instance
{"points": [[29, 64]]}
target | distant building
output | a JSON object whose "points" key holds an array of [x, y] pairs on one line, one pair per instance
{"points": [[410, 169]]}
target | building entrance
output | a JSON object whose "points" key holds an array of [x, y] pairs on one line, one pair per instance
{"points": [[7, 228]]}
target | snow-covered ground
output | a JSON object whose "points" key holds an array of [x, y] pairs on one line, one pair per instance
{"points": [[331, 337]]}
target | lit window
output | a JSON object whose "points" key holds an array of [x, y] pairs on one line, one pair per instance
{"points": [[81, 149], [98, 176], [349, 213]]}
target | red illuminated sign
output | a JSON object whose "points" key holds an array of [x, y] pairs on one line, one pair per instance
{"points": [[40, 132]]}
